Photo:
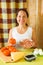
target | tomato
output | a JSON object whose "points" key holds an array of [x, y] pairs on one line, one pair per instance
{"points": [[3, 48], [12, 41], [8, 49], [6, 52], [12, 49]]}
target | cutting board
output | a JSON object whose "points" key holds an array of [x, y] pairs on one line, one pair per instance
{"points": [[8, 58], [5, 58]]}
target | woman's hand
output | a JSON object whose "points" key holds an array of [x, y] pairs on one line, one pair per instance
{"points": [[27, 43]]}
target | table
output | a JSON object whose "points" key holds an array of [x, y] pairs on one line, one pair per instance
{"points": [[38, 61]]}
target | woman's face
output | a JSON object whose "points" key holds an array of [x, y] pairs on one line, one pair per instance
{"points": [[22, 18]]}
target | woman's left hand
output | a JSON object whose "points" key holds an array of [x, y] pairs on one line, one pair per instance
{"points": [[27, 43]]}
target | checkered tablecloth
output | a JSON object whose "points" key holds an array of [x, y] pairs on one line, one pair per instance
{"points": [[8, 9]]}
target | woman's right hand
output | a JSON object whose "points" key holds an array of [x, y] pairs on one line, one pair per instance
{"points": [[27, 43]]}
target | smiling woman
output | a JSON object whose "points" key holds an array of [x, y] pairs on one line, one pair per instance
{"points": [[23, 33]]}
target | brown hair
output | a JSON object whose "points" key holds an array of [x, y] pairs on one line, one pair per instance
{"points": [[24, 11]]}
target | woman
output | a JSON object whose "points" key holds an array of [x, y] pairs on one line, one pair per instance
{"points": [[24, 34]]}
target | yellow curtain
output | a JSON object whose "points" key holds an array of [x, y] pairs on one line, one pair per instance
{"points": [[8, 9]]}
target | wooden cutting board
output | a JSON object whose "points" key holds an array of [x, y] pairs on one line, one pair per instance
{"points": [[8, 58], [5, 58]]}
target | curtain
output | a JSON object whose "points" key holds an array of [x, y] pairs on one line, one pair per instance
{"points": [[8, 9]]}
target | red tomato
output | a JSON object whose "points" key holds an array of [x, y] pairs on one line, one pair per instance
{"points": [[6, 52], [12, 41], [12, 49], [3, 48]]}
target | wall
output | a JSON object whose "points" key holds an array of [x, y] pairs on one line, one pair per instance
{"points": [[40, 14], [35, 9], [32, 12]]}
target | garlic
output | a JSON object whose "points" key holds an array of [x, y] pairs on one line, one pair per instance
{"points": [[35, 51]]}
